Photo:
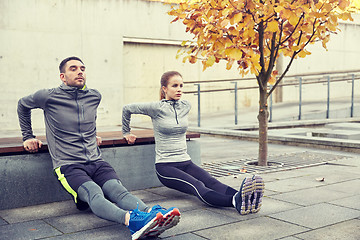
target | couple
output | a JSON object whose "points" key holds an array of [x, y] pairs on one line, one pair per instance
{"points": [[70, 119]]}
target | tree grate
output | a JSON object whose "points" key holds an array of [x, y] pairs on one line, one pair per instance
{"points": [[276, 163]]}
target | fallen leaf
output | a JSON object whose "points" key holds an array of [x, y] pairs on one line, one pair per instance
{"points": [[320, 179]]}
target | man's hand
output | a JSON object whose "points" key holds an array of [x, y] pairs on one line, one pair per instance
{"points": [[130, 138], [98, 140], [32, 145]]}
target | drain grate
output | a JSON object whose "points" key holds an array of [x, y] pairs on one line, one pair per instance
{"points": [[276, 163]]}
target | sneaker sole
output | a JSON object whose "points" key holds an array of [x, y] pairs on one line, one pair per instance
{"points": [[143, 232], [259, 187], [247, 189], [169, 220]]}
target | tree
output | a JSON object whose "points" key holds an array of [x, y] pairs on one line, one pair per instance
{"points": [[252, 33]]}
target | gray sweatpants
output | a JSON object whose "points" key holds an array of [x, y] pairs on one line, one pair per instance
{"points": [[101, 200]]}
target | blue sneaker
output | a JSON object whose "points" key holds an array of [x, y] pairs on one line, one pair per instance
{"points": [[256, 199], [243, 197], [171, 217], [141, 223]]}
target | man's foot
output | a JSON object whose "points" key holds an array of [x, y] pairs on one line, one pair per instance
{"points": [[171, 217], [243, 197], [256, 199], [141, 223]]}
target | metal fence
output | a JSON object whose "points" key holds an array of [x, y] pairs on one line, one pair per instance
{"points": [[299, 81]]}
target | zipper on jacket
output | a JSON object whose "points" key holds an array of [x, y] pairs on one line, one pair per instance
{"points": [[80, 112], [176, 117]]}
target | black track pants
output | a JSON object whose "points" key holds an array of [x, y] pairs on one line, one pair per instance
{"points": [[189, 178]]}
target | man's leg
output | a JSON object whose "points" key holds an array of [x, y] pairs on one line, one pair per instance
{"points": [[139, 223], [117, 193], [91, 193], [106, 177]]}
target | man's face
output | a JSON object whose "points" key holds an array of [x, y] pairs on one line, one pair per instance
{"points": [[74, 75]]}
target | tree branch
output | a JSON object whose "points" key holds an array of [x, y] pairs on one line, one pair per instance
{"points": [[283, 74], [273, 55], [290, 35], [261, 46]]}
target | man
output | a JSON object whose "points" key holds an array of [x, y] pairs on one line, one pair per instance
{"points": [[70, 120]]}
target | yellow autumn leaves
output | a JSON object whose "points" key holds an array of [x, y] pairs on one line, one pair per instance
{"points": [[252, 33]]}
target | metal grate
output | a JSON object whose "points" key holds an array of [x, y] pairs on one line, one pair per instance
{"points": [[276, 163]]}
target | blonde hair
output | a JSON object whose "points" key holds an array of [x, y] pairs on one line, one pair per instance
{"points": [[165, 81]]}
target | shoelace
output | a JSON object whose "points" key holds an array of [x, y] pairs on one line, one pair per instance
{"points": [[136, 213]]}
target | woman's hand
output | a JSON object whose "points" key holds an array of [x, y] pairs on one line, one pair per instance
{"points": [[130, 138]]}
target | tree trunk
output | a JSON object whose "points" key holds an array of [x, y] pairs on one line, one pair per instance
{"points": [[263, 127]]}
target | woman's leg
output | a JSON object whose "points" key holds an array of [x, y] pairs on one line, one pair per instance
{"points": [[173, 176], [209, 181]]}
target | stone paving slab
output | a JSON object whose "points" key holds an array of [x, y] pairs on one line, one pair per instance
{"points": [[349, 202], [198, 219], [268, 193], [27, 230], [184, 204], [2, 222], [115, 232], [350, 162], [253, 229], [290, 238], [187, 236], [311, 196], [39, 211], [269, 206], [349, 230], [294, 184], [331, 174], [147, 196], [351, 187], [316, 216], [83, 220], [232, 213], [166, 192], [288, 174]]}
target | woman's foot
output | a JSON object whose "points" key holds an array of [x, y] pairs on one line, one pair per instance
{"points": [[256, 199], [243, 197]]}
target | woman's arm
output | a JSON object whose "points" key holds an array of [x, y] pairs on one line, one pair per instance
{"points": [[150, 109]]}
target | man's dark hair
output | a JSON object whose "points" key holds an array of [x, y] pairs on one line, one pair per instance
{"points": [[63, 62]]}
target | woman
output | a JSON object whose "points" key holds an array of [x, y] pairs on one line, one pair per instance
{"points": [[174, 167]]}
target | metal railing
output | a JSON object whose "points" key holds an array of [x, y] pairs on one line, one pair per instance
{"points": [[291, 80]]}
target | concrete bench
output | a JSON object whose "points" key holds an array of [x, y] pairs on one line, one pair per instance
{"points": [[27, 178]]}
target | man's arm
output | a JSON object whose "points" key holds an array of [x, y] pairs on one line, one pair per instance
{"points": [[25, 105]]}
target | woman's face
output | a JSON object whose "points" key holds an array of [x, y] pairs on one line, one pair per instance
{"points": [[173, 90]]}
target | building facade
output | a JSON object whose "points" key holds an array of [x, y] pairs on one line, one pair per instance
{"points": [[126, 46]]}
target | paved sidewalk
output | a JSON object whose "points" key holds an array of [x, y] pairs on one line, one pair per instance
{"points": [[297, 205]]}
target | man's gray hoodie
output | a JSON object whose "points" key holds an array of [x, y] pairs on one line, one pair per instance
{"points": [[70, 120]]}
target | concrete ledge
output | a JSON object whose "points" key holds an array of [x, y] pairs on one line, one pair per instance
{"points": [[27, 179]]}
